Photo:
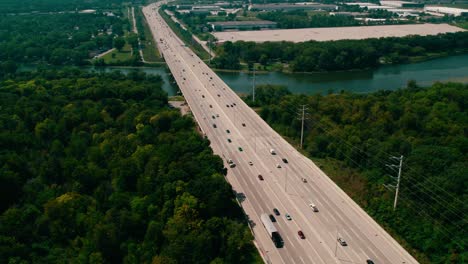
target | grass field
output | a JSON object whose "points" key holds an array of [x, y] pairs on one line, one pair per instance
{"points": [[119, 56], [149, 47]]}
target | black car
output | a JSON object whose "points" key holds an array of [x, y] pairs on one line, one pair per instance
{"points": [[272, 218], [243, 124], [369, 261], [214, 125], [285, 160], [227, 105], [227, 131], [276, 211]]}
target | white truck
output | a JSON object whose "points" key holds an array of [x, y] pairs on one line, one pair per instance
{"points": [[272, 231]]}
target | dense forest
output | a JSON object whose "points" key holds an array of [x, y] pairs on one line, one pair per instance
{"points": [[425, 125], [59, 39], [15, 6], [338, 55], [95, 168]]}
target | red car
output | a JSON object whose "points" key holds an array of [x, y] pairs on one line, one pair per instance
{"points": [[301, 235], [260, 177]]}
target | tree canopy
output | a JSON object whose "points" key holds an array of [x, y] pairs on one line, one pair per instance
{"points": [[95, 168], [425, 125], [338, 55], [59, 39]]}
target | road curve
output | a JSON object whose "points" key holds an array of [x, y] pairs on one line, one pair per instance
{"points": [[236, 132]]}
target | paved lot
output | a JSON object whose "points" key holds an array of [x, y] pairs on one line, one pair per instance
{"points": [[236, 132], [335, 33]]}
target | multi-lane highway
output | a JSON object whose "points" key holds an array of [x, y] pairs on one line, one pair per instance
{"points": [[236, 132]]}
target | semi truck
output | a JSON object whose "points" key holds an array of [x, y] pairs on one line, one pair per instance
{"points": [[272, 231]]}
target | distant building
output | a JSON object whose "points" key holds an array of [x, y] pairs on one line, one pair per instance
{"points": [[361, 4], [242, 25], [204, 9], [402, 4], [354, 14], [377, 7], [446, 10], [291, 7], [87, 11]]}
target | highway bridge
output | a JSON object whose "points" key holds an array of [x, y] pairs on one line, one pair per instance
{"points": [[289, 182]]}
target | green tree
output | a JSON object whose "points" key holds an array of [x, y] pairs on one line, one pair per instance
{"points": [[119, 43]]}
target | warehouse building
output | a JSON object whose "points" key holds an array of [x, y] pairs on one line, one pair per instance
{"points": [[446, 11], [402, 4], [242, 25]]}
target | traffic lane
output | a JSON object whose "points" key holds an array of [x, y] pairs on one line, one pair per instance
{"points": [[295, 236], [369, 226], [205, 86], [215, 139]]}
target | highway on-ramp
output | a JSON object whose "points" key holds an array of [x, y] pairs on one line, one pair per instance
{"points": [[236, 132]]}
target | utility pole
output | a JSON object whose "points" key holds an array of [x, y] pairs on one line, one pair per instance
{"points": [[398, 183], [398, 178], [302, 126], [253, 84]]}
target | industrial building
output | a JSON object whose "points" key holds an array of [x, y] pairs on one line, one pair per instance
{"points": [[242, 25], [362, 4], [402, 4], [446, 11]]}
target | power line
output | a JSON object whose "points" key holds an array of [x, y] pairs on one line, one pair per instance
{"points": [[432, 207], [448, 233], [418, 185], [435, 196]]}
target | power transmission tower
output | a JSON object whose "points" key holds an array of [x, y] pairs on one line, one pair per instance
{"points": [[397, 186], [302, 125]]}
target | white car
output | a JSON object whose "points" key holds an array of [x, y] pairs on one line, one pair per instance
{"points": [[278, 166], [314, 207], [304, 180], [250, 163]]}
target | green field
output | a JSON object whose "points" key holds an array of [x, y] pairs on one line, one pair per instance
{"points": [[119, 56], [150, 50]]}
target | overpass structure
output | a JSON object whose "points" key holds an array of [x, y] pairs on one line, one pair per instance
{"points": [[289, 182]]}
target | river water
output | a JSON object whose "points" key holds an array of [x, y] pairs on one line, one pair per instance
{"points": [[390, 77]]}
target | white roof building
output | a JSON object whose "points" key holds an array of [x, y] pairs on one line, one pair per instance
{"points": [[401, 4], [362, 4], [446, 10]]}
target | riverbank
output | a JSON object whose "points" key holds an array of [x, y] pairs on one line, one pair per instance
{"points": [[387, 77], [284, 67]]}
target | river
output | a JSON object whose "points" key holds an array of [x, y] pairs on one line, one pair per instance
{"points": [[389, 77]]}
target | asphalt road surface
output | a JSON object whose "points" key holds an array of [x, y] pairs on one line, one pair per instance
{"points": [[236, 132]]}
